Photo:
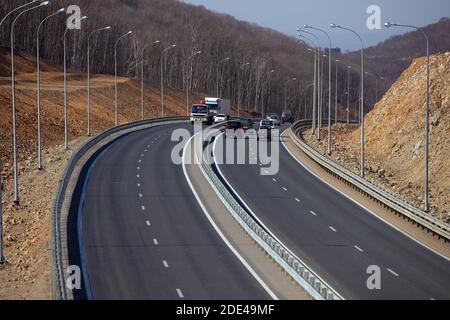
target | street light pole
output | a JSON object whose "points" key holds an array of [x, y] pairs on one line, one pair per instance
{"points": [[162, 78], [329, 83], [316, 77], [66, 123], [116, 108], [217, 75], [285, 92], [142, 76], [187, 80], [13, 85], [263, 111], [361, 115], [427, 111], [336, 96], [239, 87], [16, 9], [38, 67], [348, 94], [89, 78]]}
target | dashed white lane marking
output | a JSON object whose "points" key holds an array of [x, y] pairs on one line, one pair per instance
{"points": [[313, 213], [155, 241], [138, 185], [142, 155], [393, 272], [358, 248], [148, 146], [274, 180], [143, 208], [297, 199], [285, 189], [148, 223], [165, 264], [145, 150], [140, 161], [138, 176], [332, 229], [139, 168], [140, 195], [180, 294]]}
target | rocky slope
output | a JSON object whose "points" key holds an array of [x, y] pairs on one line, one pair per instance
{"points": [[395, 137]]}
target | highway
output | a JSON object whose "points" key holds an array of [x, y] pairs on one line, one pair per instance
{"points": [[337, 238], [144, 236]]}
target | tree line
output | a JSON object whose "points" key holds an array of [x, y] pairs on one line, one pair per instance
{"points": [[273, 57]]}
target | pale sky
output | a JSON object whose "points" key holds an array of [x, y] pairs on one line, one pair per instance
{"points": [[287, 15]]}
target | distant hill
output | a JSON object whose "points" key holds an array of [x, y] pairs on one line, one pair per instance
{"points": [[391, 57]]}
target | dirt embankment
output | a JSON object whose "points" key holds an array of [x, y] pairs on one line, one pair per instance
{"points": [[27, 228], [395, 137]]}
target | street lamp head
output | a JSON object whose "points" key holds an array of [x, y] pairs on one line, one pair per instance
{"points": [[294, 79], [227, 58], [388, 24], [173, 46], [108, 27], [272, 71], [333, 25], [198, 52], [45, 3], [306, 26], [83, 18], [61, 10], [337, 60], [130, 32]]}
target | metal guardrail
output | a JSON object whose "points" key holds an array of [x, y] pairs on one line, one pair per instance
{"points": [[416, 215], [296, 268], [58, 279]]}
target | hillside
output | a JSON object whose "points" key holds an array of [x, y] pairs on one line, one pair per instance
{"points": [[395, 137], [391, 57], [191, 28]]}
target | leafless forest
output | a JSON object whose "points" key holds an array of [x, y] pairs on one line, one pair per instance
{"points": [[192, 29]]}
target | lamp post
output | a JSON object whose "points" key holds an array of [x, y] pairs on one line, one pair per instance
{"points": [[305, 94], [162, 78], [239, 87], [316, 77], [329, 83], [13, 85], [336, 95], [38, 67], [187, 80], [66, 123], [89, 77], [142, 76], [217, 74], [348, 93], [16, 9], [285, 92], [263, 111], [116, 108], [361, 108], [427, 110]]}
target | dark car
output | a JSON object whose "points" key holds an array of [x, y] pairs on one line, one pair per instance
{"points": [[265, 130], [233, 128], [287, 117], [247, 124]]}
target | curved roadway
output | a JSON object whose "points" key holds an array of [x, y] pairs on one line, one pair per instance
{"points": [[336, 237], [143, 235]]}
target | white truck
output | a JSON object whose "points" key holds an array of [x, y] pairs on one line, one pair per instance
{"points": [[202, 113], [219, 106]]}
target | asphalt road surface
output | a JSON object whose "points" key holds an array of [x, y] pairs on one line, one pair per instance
{"points": [[336, 237], [143, 235]]}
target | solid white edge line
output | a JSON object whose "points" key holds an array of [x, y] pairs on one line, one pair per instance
{"points": [[358, 248], [219, 232], [313, 213], [155, 241], [256, 218], [180, 294], [360, 204], [148, 223], [332, 229]]}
